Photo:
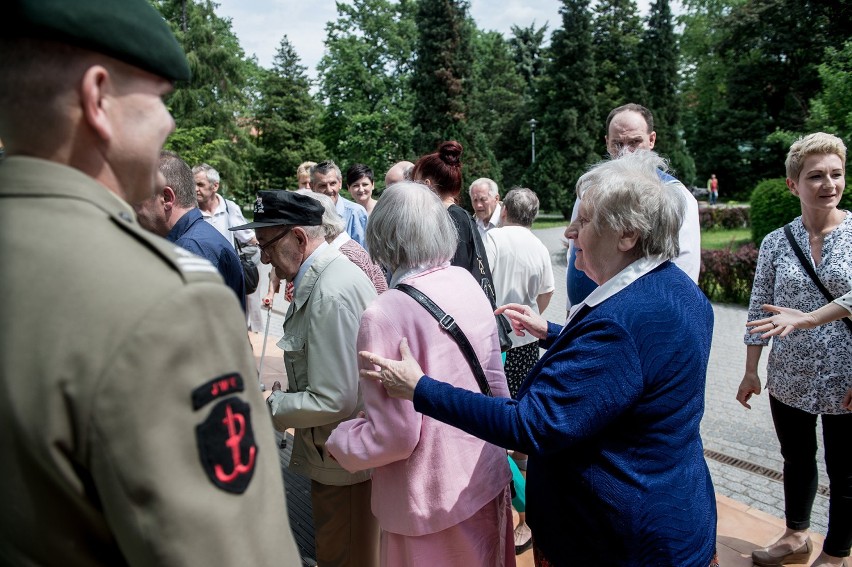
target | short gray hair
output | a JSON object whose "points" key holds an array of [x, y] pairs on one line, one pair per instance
{"points": [[324, 167], [410, 228], [628, 194], [493, 190], [332, 223], [521, 206], [212, 174]]}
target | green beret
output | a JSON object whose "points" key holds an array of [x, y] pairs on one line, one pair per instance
{"points": [[132, 31]]}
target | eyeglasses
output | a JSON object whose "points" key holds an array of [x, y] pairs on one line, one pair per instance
{"points": [[284, 233]]}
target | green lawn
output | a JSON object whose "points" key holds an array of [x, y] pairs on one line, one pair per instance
{"points": [[549, 223], [723, 238]]}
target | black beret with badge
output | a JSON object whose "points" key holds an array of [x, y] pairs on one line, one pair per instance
{"points": [[132, 31], [277, 208]]}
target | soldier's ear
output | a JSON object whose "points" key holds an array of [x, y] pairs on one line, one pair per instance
{"points": [[97, 104]]}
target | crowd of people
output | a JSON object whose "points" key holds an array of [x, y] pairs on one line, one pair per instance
{"points": [[133, 430]]}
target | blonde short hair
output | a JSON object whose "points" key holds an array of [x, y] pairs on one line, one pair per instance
{"points": [[305, 168], [818, 143]]}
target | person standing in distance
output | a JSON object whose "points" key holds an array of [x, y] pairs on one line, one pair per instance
{"points": [[121, 443]]}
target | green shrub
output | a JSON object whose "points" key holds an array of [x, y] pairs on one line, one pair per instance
{"points": [[732, 216], [773, 206], [727, 275]]}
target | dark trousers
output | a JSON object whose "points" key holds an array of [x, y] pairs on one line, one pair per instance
{"points": [[345, 530], [796, 430]]}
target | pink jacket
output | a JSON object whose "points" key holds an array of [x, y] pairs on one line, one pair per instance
{"points": [[427, 475]]}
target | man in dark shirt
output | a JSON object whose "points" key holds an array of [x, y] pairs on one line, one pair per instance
{"points": [[173, 213]]}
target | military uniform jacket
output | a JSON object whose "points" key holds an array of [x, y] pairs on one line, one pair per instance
{"points": [[320, 333], [132, 429]]}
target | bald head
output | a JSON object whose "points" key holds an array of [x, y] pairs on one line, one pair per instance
{"points": [[401, 171]]}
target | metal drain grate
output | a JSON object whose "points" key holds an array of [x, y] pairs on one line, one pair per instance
{"points": [[755, 469]]}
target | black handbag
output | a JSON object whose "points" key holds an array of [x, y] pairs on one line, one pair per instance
{"points": [[504, 328], [788, 232], [251, 275]]}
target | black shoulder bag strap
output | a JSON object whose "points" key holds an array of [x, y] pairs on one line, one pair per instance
{"points": [[810, 270], [449, 324], [485, 278]]}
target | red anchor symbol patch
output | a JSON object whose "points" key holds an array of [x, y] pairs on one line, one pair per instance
{"points": [[227, 446]]}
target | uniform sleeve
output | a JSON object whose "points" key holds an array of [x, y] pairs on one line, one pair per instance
{"points": [[391, 429], [580, 391], [332, 387], [180, 446]]}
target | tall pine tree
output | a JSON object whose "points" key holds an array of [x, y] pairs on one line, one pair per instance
{"points": [[497, 104], [286, 121], [442, 84], [772, 50], [616, 36], [567, 111], [528, 51], [442, 71], [659, 60], [703, 88]]}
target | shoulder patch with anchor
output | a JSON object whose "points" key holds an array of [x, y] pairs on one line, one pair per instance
{"points": [[226, 445]]}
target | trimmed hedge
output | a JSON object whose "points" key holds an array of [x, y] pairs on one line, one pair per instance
{"points": [[727, 275], [773, 206], [734, 216]]}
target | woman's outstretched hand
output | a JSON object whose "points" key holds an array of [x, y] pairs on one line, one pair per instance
{"points": [[524, 320], [784, 322], [399, 377]]}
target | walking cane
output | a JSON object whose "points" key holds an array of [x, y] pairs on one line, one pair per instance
{"points": [[263, 350]]}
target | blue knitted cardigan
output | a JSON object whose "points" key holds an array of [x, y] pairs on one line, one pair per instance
{"points": [[610, 419]]}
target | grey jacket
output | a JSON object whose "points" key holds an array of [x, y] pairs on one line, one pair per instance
{"points": [[320, 332]]}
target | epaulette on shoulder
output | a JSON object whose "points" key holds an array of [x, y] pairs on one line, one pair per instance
{"points": [[192, 268]]}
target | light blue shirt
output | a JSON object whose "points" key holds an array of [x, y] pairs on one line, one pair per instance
{"points": [[354, 219]]}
